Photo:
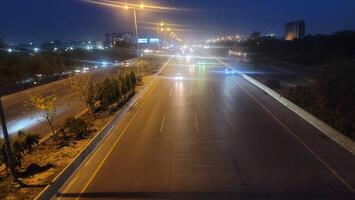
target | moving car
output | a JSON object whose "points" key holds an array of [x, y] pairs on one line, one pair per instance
{"points": [[179, 76], [229, 71]]}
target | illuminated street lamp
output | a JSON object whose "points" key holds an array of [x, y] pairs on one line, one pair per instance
{"points": [[169, 34], [141, 6], [160, 26]]}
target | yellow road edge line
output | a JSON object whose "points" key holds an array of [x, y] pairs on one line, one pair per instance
{"points": [[116, 142], [119, 138]]}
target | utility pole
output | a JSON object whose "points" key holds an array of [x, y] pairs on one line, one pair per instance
{"points": [[7, 144]]}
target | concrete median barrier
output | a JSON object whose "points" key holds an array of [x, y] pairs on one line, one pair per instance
{"points": [[333, 134]]}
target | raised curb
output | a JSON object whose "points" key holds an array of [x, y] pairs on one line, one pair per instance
{"points": [[329, 131], [70, 169], [333, 134]]}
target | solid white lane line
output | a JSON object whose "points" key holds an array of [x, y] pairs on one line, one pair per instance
{"points": [[211, 91], [92, 156], [68, 186], [196, 124], [341, 179], [162, 123], [171, 91], [227, 93], [13, 121], [230, 122], [132, 118]]}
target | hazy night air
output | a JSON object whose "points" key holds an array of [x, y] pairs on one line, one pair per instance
{"points": [[43, 20], [177, 99]]}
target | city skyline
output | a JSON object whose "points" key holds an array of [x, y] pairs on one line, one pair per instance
{"points": [[41, 20], [177, 99]]}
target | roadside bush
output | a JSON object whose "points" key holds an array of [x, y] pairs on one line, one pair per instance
{"points": [[24, 142], [143, 65], [63, 139], [139, 78], [2, 153], [273, 83], [18, 145], [332, 97], [31, 140], [21, 133], [305, 97], [77, 126], [16, 155]]}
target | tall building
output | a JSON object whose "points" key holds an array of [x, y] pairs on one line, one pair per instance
{"points": [[295, 30]]}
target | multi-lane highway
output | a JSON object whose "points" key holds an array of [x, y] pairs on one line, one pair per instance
{"points": [[289, 75], [21, 117], [213, 136]]}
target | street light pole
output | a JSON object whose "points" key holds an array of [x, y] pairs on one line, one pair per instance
{"points": [[135, 22], [136, 29], [165, 36], [7, 143]]}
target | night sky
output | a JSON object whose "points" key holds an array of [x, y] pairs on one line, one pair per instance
{"points": [[44, 20]]}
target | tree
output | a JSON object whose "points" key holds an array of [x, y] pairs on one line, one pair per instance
{"points": [[85, 90], [143, 65], [46, 106], [123, 85], [108, 94], [133, 78], [128, 84], [139, 78]]}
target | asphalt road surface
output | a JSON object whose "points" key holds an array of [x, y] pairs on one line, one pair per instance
{"points": [[289, 75], [212, 136], [21, 117]]}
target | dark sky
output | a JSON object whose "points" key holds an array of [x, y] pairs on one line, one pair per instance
{"points": [[43, 20]]}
